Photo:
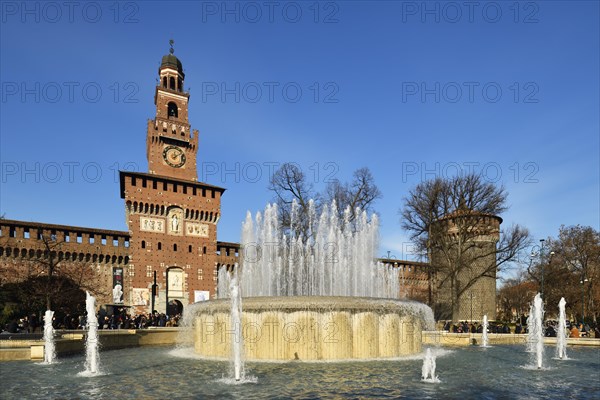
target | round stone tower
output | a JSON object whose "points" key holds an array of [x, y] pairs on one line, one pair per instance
{"points": [[463, 259]]}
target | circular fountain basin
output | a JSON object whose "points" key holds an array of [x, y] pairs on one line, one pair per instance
{"points": [[312, 328]]}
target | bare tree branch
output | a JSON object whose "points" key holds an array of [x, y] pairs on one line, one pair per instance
{"points": [[290, 185], [360, 194]]}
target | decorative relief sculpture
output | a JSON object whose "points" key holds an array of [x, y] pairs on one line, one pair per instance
{"points": [[152, 224], [196, 229]]}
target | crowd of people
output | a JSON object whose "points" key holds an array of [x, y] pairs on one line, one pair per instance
{"points": [[121, 319], [27, 324], [474, 327], [575, 330], [68, 321], [583, 330], [138, 321]]}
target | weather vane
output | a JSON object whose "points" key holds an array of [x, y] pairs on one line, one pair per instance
{"points": [[171, 42]]}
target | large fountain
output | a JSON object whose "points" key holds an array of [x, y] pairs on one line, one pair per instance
{"points": [[319, 295]]}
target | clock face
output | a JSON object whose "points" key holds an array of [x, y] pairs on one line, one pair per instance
{"points": [[174, 156]]}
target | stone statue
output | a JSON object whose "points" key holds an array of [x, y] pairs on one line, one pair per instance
{"points": [[175, 223], [118, 293]]}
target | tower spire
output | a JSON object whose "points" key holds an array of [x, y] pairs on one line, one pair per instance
{"points": [[172, 145]]}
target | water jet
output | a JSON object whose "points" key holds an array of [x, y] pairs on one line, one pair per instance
{"points": [[561, 332], [49, 344], [484, 332], [535, 336], [91, 345]]}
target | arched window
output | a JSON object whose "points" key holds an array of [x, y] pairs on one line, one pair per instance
{"points": [[172, 83], [159, 245], [143, 244], [179, 84], [172, 109], [165, 82], [175, 247], [190, 248]]}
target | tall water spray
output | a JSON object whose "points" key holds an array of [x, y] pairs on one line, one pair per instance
{"points": [[320, 272], [561, 333], [236, 324], [529, 343], [535, 336], [484, 333], [49, 346], [428, 368], [336, 257], [91, 345]]}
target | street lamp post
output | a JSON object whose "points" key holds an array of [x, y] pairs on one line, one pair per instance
{"points": [[389, 256], [154, 293], [542, 262], [583, 281], [538, 251]]}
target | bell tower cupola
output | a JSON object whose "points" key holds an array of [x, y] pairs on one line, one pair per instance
{"points": [[172, 145], [171, 71]]}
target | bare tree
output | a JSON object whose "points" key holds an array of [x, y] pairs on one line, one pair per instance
{"points": [[430, 201], [290, 185], [577, 250], [48, 279], [422, 207], [453, 221], [514, 297], [360, 194], [60, 278]]}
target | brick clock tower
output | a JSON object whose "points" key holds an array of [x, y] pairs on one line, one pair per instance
{"points": [[171, 217]]}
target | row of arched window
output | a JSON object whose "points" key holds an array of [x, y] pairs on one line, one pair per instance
{"points": [[32, 254], [146, 208], [203, 216], [161, 210], [169, 82]]}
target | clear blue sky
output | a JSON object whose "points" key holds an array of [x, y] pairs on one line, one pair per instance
{"points": [[409, 90]]}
